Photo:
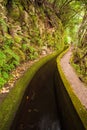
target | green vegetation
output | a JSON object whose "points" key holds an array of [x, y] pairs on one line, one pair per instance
{"points": [[26, 27], [79, 62], [73, 15], [29, 27], [79, 58]]}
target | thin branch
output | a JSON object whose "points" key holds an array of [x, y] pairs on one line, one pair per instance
{"points": [[65, 4], [73, 16], [77, 12]]}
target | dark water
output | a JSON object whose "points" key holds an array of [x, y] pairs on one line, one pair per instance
{"points": [[38, 110]]}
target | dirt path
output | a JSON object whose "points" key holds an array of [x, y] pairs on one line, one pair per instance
{"points": [[78, 87]]}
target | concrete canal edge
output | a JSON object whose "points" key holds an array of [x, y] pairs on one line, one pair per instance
{"points": [[11, 103], [66, 89]]}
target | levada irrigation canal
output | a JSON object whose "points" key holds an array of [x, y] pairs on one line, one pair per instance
{"points": [[39, 108]]}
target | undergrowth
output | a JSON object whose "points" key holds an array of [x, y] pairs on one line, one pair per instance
{"points": [[24, 31], [79, 64]]}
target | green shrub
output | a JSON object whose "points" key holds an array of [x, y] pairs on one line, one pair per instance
{"points": [[2, 82], [8, 41], [19, 53], [8, 61], [5, 75], [3, 25], [33, 56], [17, 39], [2, 58], [10, 52]]}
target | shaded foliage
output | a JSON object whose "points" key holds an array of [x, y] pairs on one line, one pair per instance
{"points": [[28, 29]]}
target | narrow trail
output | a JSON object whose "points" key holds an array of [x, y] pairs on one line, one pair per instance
{"points": [[79, 88]]}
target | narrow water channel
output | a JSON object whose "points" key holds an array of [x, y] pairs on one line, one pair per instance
{"points": [[38, 109]]}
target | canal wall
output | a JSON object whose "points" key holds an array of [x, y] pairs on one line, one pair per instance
{"points": [[72, 112], [10, 105]]}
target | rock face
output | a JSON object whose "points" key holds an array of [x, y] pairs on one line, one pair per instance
{"points": [[25, 27]]}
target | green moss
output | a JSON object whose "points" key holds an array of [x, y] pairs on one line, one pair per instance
{"points": [[3, 25], [10, 105], [15, 12], [81, 110], [17, 39]]}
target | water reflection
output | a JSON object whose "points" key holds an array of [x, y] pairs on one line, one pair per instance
{"points": [[47, 124]]}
